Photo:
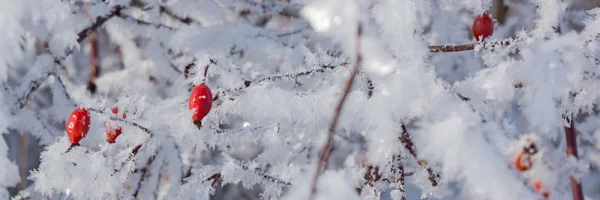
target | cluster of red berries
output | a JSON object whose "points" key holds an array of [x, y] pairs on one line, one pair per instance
{"points": [[522, 162], [78, 124]]}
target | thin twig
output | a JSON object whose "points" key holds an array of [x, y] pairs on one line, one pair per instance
{"points": [[144, 174], [400, 180], [325, 150], [245, 168], [466, 47], [82, 35], [145, 23], [323, 69], [23, 161], [571, 141], [166, 11], [94, 68], [115, 118], [134, 152], [410, 146]]}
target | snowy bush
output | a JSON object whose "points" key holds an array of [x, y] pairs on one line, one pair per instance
{"points": [[311, 99]]}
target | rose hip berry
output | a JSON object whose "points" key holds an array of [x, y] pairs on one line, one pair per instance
{"points": [[483, 27], [522, 162], [200, 102], [78, 125], [112, 131]]}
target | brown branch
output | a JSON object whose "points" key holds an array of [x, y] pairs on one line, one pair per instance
{"points": [[571, 141], [400, 181], [215, 178], [466, 47], [134, 152], [247, 83], [451, 48], [144, 174], [410, 146], [186, 71], [71, 147], [115, 118], [325, 150], [94, 68], [166, 11], [144, 23], [82, 35], [34, 85], [23, 161]]}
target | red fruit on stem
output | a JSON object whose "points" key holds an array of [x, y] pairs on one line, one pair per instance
{"points": [[113, 132], [78, 125], [483, 27], [200, 102]]}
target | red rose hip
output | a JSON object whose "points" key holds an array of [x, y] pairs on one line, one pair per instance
{"points": [[78, 125], [200, 102], [483, 27], [113, 131]]}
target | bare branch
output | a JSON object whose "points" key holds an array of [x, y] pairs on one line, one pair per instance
{"points": [[408, 144], [466, 47], [94, 67], [571, 141], [99, 22], [325, 150], [168, 12], [144, 23]]}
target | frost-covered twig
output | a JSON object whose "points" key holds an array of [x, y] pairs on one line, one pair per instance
{"points": [[144, 23], [115, 118], [400, 180], [570, 137], [186, 20], [34, 85], [143, 175], [186, 71], [370, 87], [410, 146], [325, 150], [82, 35], [247, 83], [134, 152], [466, 47]]}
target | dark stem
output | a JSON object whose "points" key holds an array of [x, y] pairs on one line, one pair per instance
{"points": [[71, 147], [408, 144], [400, 180], [466, 47], [115, 118], [144, 174], [325, 150], [94, 68], [82, 35], [570, 137], [134, 152]]}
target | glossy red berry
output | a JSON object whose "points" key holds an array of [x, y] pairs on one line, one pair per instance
{"points": [[483, 27], [113, 131], [200, 102], [78, 125]]}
